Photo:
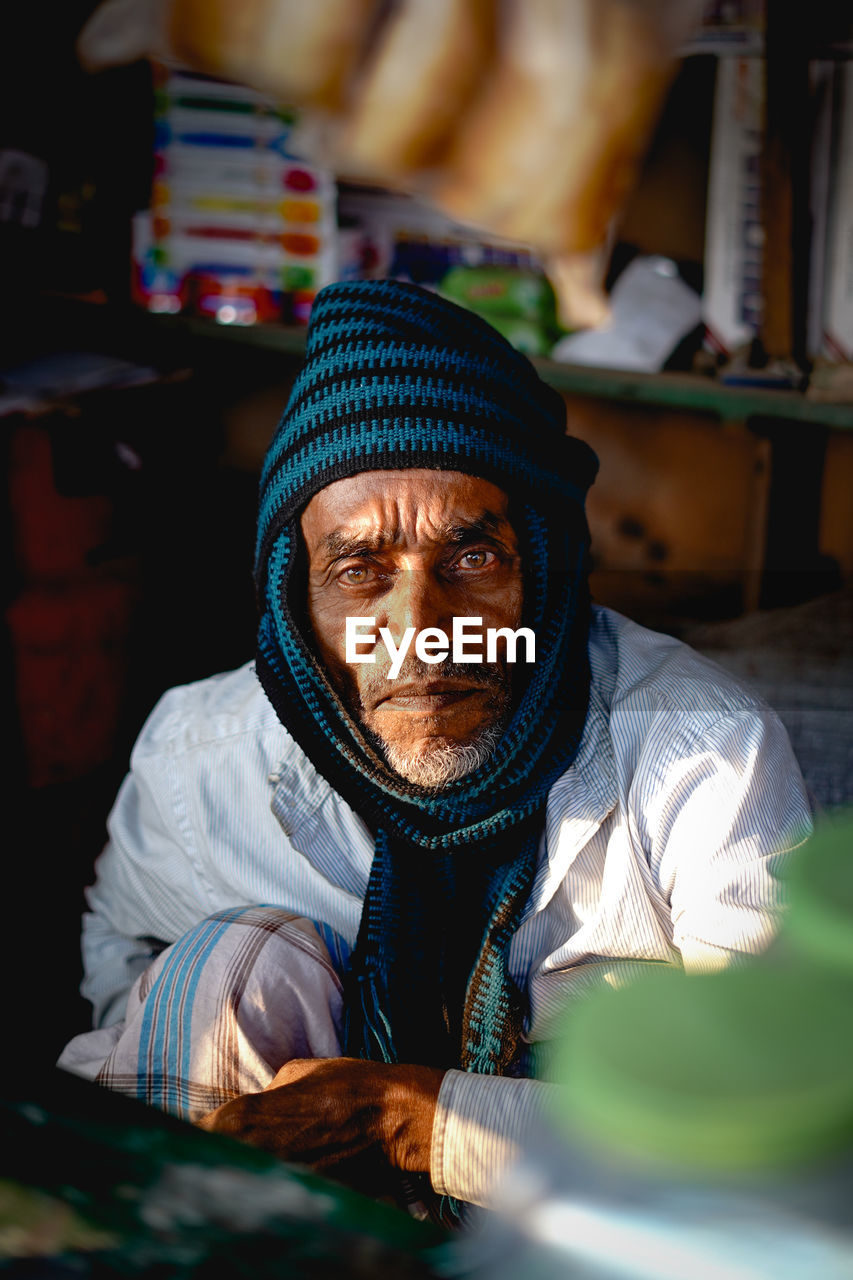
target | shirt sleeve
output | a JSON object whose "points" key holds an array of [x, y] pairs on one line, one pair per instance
{"points": [[149, 886], [479, 1131], [111, 964], [721, 827]]}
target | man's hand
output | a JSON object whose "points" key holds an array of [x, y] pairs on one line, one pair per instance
{"points": [[351, 1119]]}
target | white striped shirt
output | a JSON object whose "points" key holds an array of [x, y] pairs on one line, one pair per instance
{"points": [[662, 843]]}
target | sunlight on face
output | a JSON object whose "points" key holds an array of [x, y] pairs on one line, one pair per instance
{"points": [[414, 549]]}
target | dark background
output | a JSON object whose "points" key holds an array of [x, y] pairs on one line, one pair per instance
{"points": [[129, 511]]}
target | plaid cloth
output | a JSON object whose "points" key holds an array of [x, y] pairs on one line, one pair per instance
{"points": [[202, 1025]]}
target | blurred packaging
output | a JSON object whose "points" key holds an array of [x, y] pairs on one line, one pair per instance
{"points": [[518, 303], [384, 233], [837, 292], [822, 92], [732, 297], [729, 25], [241, 229], [653, 311]]}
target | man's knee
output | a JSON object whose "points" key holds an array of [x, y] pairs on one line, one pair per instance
{"points": [[220, 1010]]}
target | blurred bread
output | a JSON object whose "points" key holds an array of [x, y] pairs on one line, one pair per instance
{"points": [[549, 150], [301, 51], [426, 63]]}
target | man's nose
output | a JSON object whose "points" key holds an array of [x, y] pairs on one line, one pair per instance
{"points": [[417, 599]]}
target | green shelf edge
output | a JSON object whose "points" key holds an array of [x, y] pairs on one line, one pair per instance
{"points": [[664, 390], [693, 392]]}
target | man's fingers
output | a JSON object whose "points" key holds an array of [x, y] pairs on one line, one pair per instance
{"points": [[229, 1118], [330, 1110], [298, 1069]]}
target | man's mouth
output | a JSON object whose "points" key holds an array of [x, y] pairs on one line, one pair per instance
{"points": [[428, 697]]}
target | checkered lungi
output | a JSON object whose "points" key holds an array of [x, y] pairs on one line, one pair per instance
{"points": [[218, 1013]]}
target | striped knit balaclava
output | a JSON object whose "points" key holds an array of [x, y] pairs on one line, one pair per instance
{"points": [[397, 377]]}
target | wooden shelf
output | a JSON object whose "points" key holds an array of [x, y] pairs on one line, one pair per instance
{"points": [[695, 393], [134, 333], [665, 390]]}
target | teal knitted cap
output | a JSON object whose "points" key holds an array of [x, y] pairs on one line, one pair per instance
{"points": [[396, 376]]}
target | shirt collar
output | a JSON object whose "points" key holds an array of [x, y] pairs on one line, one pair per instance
{"points": [[298, 790]]}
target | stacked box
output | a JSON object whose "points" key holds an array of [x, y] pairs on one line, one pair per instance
{"points": [[241, 228]]}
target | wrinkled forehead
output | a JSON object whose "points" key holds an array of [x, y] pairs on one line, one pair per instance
{"points": [[375, 509]]}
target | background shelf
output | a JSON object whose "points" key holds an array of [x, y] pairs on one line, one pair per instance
{"points": [[667, 390]]}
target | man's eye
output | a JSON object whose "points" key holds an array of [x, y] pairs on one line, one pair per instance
{"points": [[476, 559], [357, 575]]}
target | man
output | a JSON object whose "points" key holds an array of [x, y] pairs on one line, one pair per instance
{"points": [[385, 862]]}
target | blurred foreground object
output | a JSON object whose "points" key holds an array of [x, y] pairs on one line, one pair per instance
{"points": [[528, 119], [741, 1072], [96, 1185], [705, 1123]]}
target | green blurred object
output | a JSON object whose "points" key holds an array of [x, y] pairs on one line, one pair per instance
{"points": [[745, 1071], [93, 1184], [732, 1072], [820, 919], [518, 303]]}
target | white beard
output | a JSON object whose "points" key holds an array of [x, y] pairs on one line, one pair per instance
{"points": [[434, 766]]}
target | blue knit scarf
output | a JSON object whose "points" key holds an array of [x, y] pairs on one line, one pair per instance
{"points": [[397, 377]]}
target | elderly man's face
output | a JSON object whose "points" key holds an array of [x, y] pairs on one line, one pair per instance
{"points": [[415, 549]]}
